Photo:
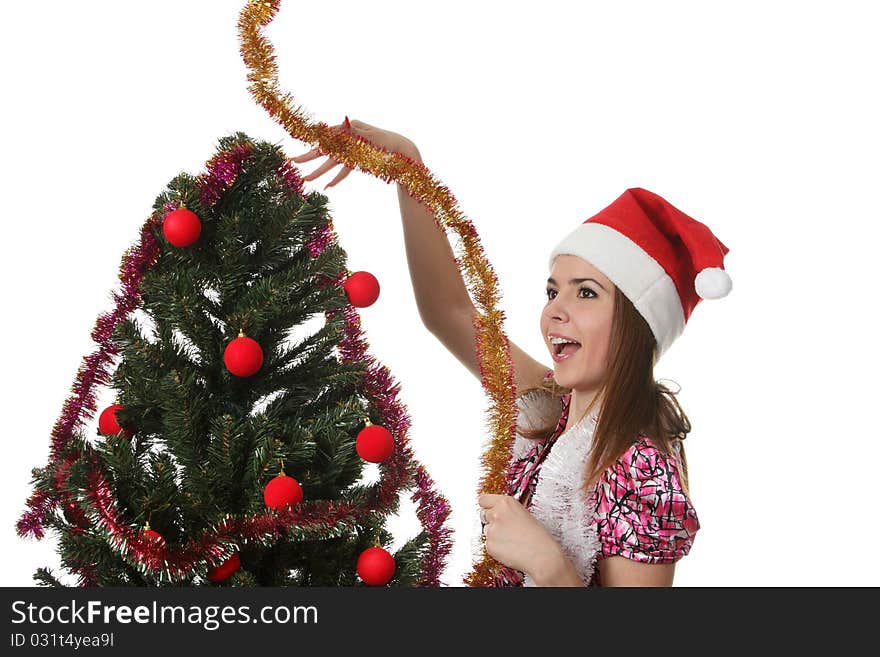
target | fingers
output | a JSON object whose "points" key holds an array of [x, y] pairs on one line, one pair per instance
{"points": [[308, 156], [488, 500], [321, 170], [316, 152], [339, 176]]}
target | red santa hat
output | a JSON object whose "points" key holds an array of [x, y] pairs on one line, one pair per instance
{"points": [[664, 261]]}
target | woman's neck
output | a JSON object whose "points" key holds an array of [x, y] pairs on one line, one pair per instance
{"points": [[577, 406]]}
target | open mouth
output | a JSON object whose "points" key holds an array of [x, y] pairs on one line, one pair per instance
{"points": [[566, 348]]}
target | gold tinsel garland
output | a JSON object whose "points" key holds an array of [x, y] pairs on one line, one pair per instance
{"points": [[493, 348]]}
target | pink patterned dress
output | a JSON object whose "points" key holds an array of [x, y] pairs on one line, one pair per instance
{"points": [[639, 508]]}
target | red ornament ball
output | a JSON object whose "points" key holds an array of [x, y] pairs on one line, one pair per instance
{"points": [[108, 424], [375, 566], [182, 227], [243, 356], [154, 536], [374, 443], [281, 491], [362, 289], [225, 570]]}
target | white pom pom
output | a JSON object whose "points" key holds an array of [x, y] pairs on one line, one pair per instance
{"points": [[713, 283]]}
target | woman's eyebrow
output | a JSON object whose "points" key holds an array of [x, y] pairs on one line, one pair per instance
{"points": [[575, 281]]}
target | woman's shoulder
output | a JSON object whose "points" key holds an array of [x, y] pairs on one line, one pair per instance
{"points": [[650, 475], [642, 509], [645, 458], [536, 407]]}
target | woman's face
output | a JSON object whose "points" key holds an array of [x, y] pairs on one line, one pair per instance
{"points": [[581, 310]]}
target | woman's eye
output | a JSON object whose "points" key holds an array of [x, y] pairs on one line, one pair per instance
{"points": [[593, 295]]}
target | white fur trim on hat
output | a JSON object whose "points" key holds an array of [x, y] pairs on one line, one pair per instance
{"points": [[641, 278]]}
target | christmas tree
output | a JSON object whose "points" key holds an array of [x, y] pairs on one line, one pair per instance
{"points": [[237, 449]]}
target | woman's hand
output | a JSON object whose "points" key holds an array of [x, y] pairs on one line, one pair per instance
{"points": [[390, 141], [514, 536]]}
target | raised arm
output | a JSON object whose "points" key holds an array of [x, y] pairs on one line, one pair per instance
{"points": [[442, 299]]}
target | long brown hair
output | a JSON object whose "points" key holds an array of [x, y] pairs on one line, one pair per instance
{"points": [[633, 403]]}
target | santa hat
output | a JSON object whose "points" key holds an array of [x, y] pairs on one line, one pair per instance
{"points": [[664, 261]]}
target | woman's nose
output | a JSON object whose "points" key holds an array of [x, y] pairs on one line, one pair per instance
{"points": [[556, 309]]}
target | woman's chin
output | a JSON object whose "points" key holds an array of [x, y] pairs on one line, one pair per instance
{"points": [[568, 373], [561, 374]]}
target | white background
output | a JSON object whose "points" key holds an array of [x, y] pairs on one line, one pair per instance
{"points": [[757, 118]]}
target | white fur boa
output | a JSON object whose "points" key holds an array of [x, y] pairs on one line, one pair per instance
{"points": [[559, 502]]}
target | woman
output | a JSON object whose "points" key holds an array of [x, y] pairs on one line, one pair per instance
{"points": [[594, 498]]}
